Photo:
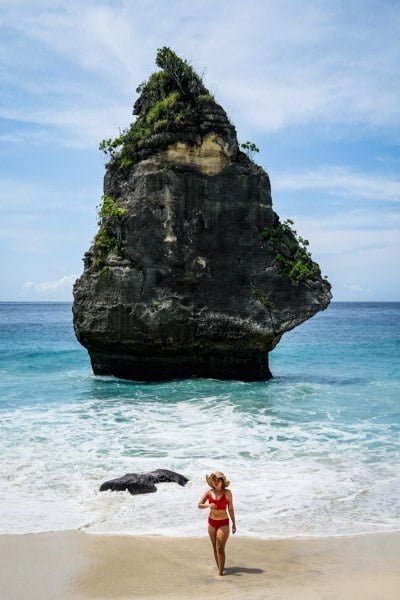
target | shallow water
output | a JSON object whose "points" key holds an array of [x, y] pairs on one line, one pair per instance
{"points": [[313, 451]]}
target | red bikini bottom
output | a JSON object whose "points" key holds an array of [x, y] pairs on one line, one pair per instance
{"points": [[216, 523]]}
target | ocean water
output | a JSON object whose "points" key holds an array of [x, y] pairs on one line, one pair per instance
{"points": [[314, 451]]}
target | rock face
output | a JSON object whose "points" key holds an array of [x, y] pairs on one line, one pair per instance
{"points": [[191, 273], [143, 483]]}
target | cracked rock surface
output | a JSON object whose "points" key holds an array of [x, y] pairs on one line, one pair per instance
{"points": [[195, 290]]}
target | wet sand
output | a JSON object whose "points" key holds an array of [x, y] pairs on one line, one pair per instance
{"points": [[76, 566]]}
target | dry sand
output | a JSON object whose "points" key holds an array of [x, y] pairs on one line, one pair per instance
{"points": [[75, 566]]}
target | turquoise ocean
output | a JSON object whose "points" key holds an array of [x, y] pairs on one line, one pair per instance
{"points": [[314, 451]]}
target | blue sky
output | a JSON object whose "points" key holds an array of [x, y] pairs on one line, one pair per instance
{"points": [[314, 84]]}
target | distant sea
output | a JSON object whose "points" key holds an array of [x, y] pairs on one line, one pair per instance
{"points": [[314, 451]]}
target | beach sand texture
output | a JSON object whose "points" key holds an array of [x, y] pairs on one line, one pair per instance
{"points": [[74, 565]]}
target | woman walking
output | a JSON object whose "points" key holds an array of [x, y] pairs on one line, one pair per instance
{"points": [[218, 499]]}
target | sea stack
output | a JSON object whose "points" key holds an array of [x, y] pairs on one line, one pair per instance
{"points": [[191, 273]]}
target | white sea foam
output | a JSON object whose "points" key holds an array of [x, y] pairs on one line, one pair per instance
{"points": [[290, 476]]}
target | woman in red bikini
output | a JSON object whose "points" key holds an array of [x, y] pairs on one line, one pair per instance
{"points": [[218, 499]]}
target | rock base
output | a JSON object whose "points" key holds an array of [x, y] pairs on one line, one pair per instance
{"points": [[181, 366]]}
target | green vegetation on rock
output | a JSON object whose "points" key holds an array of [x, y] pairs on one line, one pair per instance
{"points": [[261, 297], [250, 149], [170, 98], [291, 252], [108, 238]]}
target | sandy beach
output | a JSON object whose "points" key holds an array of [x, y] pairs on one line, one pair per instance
{"points": [[76, 565]]}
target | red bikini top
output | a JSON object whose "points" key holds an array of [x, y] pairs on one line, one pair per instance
{"points": [[221, 504]]}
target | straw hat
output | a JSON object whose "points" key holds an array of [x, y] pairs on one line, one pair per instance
{"points": [[210, 479]]}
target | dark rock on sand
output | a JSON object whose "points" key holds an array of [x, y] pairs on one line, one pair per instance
{"points": [[143, 483], [191, 272]]}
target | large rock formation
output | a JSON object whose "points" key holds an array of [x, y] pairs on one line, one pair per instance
{"points": [[191, 272]]}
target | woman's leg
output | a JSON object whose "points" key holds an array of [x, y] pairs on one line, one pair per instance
{"points": [[222, 537], [212, 532]]}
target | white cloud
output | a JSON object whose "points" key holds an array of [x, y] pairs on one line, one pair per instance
{"points": [[348, 242], [361, 219], [64, 284], [28, 198], [74, 128], [70, 73], [374, 270], [340, 181], [356, 288], [349, 232], [271, 64], [358, 250]]}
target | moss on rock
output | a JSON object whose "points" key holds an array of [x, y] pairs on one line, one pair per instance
{"points": [[291, 252], [169, 100], [109, 237]]}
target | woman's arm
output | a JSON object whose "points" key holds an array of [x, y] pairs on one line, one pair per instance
{"points": [[202, 501], [231, 511]]}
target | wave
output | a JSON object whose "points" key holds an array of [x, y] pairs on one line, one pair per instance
{"points": [[291, 475]]}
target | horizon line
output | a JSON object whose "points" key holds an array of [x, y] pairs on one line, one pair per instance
{"points": [[71, 301]]}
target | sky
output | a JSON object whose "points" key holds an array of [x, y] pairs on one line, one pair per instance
{"points": [[315, 85]]}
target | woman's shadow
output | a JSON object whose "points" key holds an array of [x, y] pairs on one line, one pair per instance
{"points": [[238, 571]]}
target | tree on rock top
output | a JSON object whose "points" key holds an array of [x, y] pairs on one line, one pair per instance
{"points": [[176, 76], [172, 98]]}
